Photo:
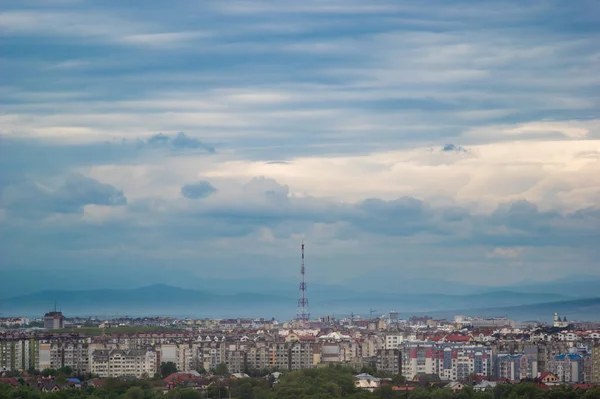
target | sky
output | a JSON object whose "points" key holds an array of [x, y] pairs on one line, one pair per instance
{"points": [[186, 140]]}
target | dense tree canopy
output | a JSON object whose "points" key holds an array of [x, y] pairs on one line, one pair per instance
{"points": [[167, 368], [322, 383]]}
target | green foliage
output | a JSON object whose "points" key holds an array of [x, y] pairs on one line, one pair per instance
{"points": [[67, 371], [222, 369], [167, 368], [184, 393], [134, 393], [320, 383], [49, 372]]}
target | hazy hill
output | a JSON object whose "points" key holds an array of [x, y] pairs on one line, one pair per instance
{"points": [[577, 309], [157, 299], [165, 300]]}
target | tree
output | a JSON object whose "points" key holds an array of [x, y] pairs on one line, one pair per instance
{"points": [[368, 370], [245, 391], [385, 392], [184, 393], [134, 393], [443, 393], [167, 368], [49, 372], [222, 369]]}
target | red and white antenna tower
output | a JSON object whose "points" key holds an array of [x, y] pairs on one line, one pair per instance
{"points": [[303, 313]]}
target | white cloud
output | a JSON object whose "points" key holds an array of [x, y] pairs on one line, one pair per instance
{"points": [[508, 252]]}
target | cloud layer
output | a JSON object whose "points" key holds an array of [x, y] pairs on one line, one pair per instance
{"points": [[456, 139]]}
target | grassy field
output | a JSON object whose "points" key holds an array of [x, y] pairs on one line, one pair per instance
{"points": [[117, 330]]}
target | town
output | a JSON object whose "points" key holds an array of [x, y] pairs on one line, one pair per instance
{"points": [[383, 350]]}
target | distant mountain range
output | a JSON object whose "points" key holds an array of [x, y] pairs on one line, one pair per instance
{"points": [[162, 299], [577, 309]]}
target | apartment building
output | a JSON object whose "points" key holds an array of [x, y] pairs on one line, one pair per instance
{"points": [[19, 354], [595, 365], [259, 357], [515, 367], [73, 352], [54, 320], [235, 359], [119, 362], [394, 341], [571, 367], [184, 355], [389, 360], [449, 361]]}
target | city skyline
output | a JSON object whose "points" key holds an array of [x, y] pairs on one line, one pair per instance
{"points": [[190, 142]]}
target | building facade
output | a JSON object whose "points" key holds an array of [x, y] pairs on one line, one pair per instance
{"points": [[595, 364], [54, 320], [448, 361], [389, 361], [119, 362]]}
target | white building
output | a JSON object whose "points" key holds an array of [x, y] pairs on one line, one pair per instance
{"points": [[118, 362], [557, 322], [393, 341]]}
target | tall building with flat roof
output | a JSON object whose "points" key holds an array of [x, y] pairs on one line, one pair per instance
{"points": [[595, 365], [54, 320]]}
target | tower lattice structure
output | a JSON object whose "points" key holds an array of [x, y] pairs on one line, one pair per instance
{"points": [[303, 313]]}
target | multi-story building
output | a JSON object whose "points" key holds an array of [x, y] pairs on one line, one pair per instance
{"points": [[259, 357], [54, 320], [292, 355], [19, 354], [569, 368], [118, 362], [70, 352], [515, 367], [449, 361], [235, 359], [393, 341], [389, 360], [595, 365]]}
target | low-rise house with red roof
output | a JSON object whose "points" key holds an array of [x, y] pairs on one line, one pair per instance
{"points": [[10, 381], [547, 378]]}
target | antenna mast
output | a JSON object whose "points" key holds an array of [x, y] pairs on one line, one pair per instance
{"points": [[303, 313]]}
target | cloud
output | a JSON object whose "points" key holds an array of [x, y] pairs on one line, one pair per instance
{"points": [[201, 189], [266, 186], [77, 191], [179, 142], [510, 253], [417, 137], [453, 148]]}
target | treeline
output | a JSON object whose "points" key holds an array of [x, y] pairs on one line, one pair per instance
{"points": [[322, 383]]}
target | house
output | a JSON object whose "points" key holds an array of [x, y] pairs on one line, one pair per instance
{"points": [[403, 388], [367, 382], [10, 381], [548, 378], [274, 376], [456, 338], [583, 387], [427, 380], [485, 385], [74, 382], [236, 376], [366, 385], [49, 386], [454, 386], [96, 383]]}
